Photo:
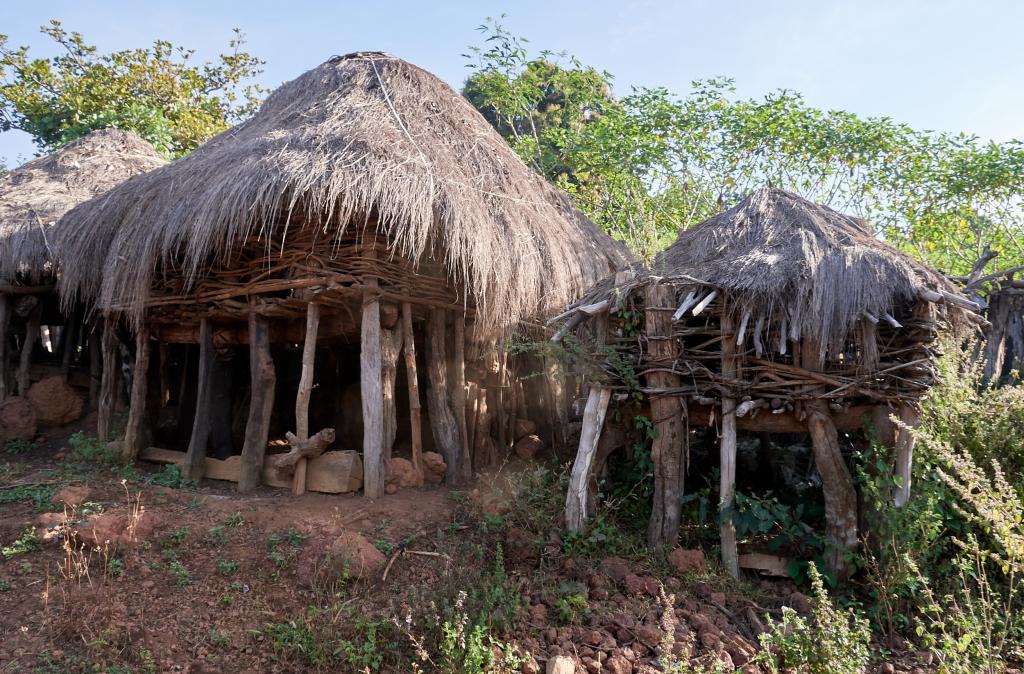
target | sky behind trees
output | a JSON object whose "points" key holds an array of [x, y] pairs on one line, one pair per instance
{"points": [[934, 64]]}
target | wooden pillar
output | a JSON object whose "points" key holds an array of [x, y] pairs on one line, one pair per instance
{"points": [[5, 318], [69, 338], [390, 346], [459, 393], [94, 340], [261, 403], [372, 395], [415, 421], [442, 420], [576, 502], [727, 452], [111, 374], [195, 458], [904, 453], [134, 430], [31, 334], [840, 496], [305, 391], [669, 448]]}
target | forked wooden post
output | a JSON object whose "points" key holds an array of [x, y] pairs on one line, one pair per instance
{"points": [[576, 514], [304, 392], [415, 420], [111, 374], [133, 431], [459, 393], [836, 482], [727, 452], [390, 346], [195, 458], [261, 403], [372, 394], [31, 334], [442, 420], [4, 324], [669, 449]]}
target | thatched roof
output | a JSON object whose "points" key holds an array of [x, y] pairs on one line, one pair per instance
{"points": [[35, 195], [780, 256], [365, 135]]}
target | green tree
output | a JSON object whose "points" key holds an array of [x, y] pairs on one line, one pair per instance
{"points": [[157, 92]]}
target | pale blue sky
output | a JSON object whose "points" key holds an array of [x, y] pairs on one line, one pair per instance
{"points": [[935, 64]]}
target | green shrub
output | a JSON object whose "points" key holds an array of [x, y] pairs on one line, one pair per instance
{"points": [[170, 475], [90, 449]]}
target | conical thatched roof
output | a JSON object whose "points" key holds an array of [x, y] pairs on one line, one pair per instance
{"points": [[35, 195], [365, 135]]}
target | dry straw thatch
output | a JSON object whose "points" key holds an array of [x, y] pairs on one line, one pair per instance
{"points": [[365, 136], [35, 195]]}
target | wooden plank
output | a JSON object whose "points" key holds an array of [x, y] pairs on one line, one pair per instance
{"points": [[727, 454], [201, 420], [576, 510], [305, 392], [111, 375], [415, 418], [372, 396], [134, 431], [442, 419], [261, 403]]}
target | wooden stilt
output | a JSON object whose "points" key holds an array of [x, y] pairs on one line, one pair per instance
{"points": [[4, 324], [442, 420], [415, 420], [459, 393], [261, 403], [840, 496], [108, 385], [134, 440], [390, 346], [483, 444], [305, 392], [669, 448], [165, 375], [195, 459], [372, 396], [31, 334], [94, 340], [576, 511], [905, 454], [69, 339], [727, 454]]}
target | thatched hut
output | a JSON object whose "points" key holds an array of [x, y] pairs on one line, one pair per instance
{"points": [[366, 209], [33, 197], [776, 316]]}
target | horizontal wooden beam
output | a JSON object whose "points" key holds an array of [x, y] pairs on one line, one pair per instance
{"points": [[847, 419]]}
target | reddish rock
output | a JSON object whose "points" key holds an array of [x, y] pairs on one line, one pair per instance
{"points": [[561, 664], [615, 568], [539, 615], [591, 665], [652, 586], [718, 598], [50, 526], [433, 467], [649, 635], [524, 427], [17, 420], [740, 650], [117, 527], [527, 447], [800, 602], [358, 556], [54, 401], [73, 496], [530, 666], [634, 584], [687, 561], [618, 664], [399, 474]]}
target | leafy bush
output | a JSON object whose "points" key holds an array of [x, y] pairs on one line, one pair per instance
{"points": [[170, 475], [90, 449]]}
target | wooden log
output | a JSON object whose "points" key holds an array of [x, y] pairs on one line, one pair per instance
{"points": [[904, 453], [4, 324], [727, 454], [442, 419], [415, 419], [555, 393], [472, 407], [483, 445], [31, 334], [134, 431], [69, 338], [95, 365], [372, 396], [576, 502], [668, 449], [302, 449], [390, 346], [195, 462], [836, 482], [305, 392], [459, 394], [111, 374], [261, 403]]}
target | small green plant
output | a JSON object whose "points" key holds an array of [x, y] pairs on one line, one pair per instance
{"points": [[41, 496], [90, 449], [216, 535], [27, 542], [829, 641], [226, 567], [182, 578], [4, 585], [18, 446], [572, 608], [114, 566], [295, 639], [234, 520], [364, 653], [25, 568], [219, 638], [177, 537], [280, 557], [170, 476]]}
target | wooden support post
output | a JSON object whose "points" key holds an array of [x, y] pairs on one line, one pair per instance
{"points": [[442, 419], [261, 403], [135, 430], [415, 420], [69, 339], [5, 317], [459, 393], [727, 453], [304, 393], [576, 501], [31, 334], [390, 346], [905, 453], [669, 448], [111, 374], [483, 444], [94, 339], [840, 496], [372, 395], [195, 459]]}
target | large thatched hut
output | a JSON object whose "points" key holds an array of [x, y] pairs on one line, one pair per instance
{"points": [[776, 316], [365, 210], [33, 197]]}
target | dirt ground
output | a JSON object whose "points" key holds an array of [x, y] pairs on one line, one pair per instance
{"points": [[137, 577]]}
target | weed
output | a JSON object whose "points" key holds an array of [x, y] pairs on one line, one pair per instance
{"points": [[225, 567], [170, 476], [177, 537], [18, 446], [91, 450], [234, 520], [114, 566], [216, 535], [279, 557], [41, 496], [572, 608], [25, 568], [4, 585], [219, 638], [295, 639], [182, 578], [363, 653], [27, 542]]}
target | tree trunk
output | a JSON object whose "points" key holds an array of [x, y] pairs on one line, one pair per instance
{"points": [[111, 374], [576, 511], [669, 448], [31, 334], [195, 459], [134, 432], [442, 420], [727, 454], [840, 496], [415, 420], [372, 396], [304, 393], [261, 403], [390, 345]]}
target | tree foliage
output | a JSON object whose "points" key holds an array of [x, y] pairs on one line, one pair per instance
{"points": [[157, 92]]}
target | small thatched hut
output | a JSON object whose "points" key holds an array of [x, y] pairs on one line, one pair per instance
{"points": [[33, 197], [776, 316], [366, 204]]}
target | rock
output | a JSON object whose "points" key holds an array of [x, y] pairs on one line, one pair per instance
{"points": [[50, 526], [359, 557], [615, 568], [54, 401], [521, 549], [740, 650], [433, 467], [800, 603], [618, 664], [649, 635], [399, 474], [530, 666], [634, 584], [687, 561], [73, 496], [561, 664], [886, 668], [651, 586], [17, 420], [591, 665], [117, 527], [526, 448], [539, 615], [523, 427], [717, 598]]}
